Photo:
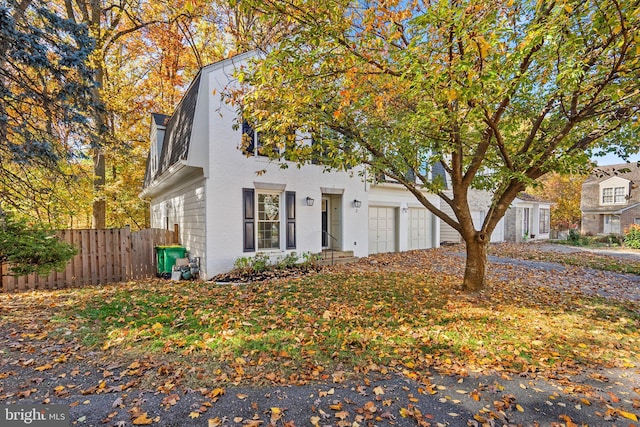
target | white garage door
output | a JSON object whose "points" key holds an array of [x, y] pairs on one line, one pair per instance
{"points": [[382, 230], [419, 228]]}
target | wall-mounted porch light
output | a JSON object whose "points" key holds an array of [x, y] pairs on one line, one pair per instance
{"points": [[309, 201], [357, 203]]}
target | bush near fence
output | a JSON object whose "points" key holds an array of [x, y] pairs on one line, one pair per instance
{"points": [[104, 256]]}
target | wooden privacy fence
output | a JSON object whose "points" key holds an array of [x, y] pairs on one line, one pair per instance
{"points": [[104, 256]]}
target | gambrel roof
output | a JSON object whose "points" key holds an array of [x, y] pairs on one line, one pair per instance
{"points": [[177, 136]]}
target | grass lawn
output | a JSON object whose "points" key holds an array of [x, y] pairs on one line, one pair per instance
{"points": [[305, 329]]}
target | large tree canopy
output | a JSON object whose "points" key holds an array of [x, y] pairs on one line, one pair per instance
{"points": [[499, 92]]}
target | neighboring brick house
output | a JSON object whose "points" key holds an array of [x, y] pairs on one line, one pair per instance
{"points": [[610, 199]]}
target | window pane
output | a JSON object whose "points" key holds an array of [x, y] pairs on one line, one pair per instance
{"points": [[268, 221], [619, 195], [544, 220], [268, 235]]}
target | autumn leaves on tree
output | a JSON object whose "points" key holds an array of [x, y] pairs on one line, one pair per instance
{"points": [[499, 93], [77, 93]]}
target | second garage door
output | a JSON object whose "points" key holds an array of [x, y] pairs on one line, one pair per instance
{"points": [[419, 229], [382, 230]]}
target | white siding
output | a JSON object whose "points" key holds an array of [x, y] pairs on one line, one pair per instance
{"points": [[479, 202], [184, 205], [447, 233]]}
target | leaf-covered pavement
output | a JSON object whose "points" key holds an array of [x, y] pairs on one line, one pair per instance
{"points": [[385, 341]]}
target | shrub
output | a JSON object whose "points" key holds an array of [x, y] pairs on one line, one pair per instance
{"points": [[574, 236], [289, 261], [261, 262], [31, 248], [632, 236]]}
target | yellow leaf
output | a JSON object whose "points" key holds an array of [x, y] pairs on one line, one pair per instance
{"points": [[44, 367], [194, 415], [519, 408], [336, 407], [404, 413], [216, 392], [568, 8], [241, 396], [315, 421], [452, 95], [378, 391], [214, 422], [275, 411], [142, 420], [629, 415]]}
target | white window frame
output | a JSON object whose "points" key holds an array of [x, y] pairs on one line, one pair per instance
{"points": [[262, 220], [545, 220], [613, 196]]}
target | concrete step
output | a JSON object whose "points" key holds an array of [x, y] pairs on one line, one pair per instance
{"points": [[329, 257]]}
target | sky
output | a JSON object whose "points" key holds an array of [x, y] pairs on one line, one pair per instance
{"points": [[612, 159]]}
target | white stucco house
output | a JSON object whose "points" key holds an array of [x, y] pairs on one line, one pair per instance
{"points": [[229, 204]]}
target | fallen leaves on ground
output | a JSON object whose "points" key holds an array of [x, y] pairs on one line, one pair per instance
{"points": [[392, 312]]}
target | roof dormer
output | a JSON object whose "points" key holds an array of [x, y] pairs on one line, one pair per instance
{"points": [[158, 128], [614, 191]]}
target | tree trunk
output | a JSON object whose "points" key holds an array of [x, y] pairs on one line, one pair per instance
{"points": [[99, 164], [99, 206], [476, 265]]}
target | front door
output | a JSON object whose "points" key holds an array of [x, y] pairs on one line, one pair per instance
{"points": [[325, 223]]}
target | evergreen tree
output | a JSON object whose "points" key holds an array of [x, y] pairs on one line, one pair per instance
{"points": [[45, 101], [30, 248]]}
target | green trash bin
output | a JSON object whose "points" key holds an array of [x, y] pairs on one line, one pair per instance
{"points": [[167, 256]]}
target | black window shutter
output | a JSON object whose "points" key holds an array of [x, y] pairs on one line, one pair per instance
{"points": [[248, 220], [290, 198]]}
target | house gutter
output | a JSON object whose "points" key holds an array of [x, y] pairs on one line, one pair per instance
{"points": [[158, 182]]}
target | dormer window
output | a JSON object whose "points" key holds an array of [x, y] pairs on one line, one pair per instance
{"points": [[613, 195], [614, 191]]}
